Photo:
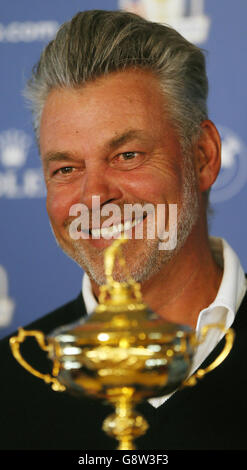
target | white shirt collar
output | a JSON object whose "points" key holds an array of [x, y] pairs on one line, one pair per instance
{"points": [[232, 287], [87, 294]]}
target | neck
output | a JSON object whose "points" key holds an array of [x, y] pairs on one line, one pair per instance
{"points": [[185, 286]]}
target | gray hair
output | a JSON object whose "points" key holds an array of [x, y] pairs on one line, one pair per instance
{"points": [[97, 42]]}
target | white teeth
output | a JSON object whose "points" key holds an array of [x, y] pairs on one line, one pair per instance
{"points": [[96, 232], [128, 225], [114, 229]]}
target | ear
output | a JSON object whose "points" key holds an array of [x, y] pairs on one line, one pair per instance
{"points": [[207, 155]]}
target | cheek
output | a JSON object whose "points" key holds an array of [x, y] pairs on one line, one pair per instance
{"points": [[58, 205], [155, 187]]}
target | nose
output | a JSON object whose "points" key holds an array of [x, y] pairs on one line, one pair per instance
{"points": [[97, 181]]}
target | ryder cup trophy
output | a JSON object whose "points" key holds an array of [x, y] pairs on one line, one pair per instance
{"points": [[122, 353]]}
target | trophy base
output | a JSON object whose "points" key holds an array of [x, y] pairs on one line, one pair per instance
{"points": [[125, 424]]}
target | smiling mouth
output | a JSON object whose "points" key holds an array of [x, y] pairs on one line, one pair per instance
{"points": [[115, 230]]}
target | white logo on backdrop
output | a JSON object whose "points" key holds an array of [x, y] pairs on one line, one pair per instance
{"points": [[28, 31], [186, 16], [233, 174], [7, 305], [14, 147], [17, 181]]}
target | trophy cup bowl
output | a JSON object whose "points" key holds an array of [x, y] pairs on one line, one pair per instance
{"points": [[122, 353]]}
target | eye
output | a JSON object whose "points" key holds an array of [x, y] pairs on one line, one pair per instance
{"points": [[63, 171], [128, 155], [127, 160]]}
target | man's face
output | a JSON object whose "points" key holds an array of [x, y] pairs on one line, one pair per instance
{"points": [[113, 138]]}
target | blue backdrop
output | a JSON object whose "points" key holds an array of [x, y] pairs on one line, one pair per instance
{"points": [[35, 276]]}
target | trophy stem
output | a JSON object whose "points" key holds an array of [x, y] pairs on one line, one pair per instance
{"points": [[126, 444], [125, 424]]}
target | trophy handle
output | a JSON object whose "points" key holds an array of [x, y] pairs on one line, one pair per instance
{"points": [[15, 342], [229, 338]]}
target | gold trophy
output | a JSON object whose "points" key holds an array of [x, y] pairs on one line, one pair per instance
{"points": [[122, 353]]}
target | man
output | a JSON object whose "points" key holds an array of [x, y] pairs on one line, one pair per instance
{"points": [[120, 113]]}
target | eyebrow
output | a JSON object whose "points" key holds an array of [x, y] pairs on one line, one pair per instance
{"points": [[111, 145], [57, 157], [126, 137]]}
